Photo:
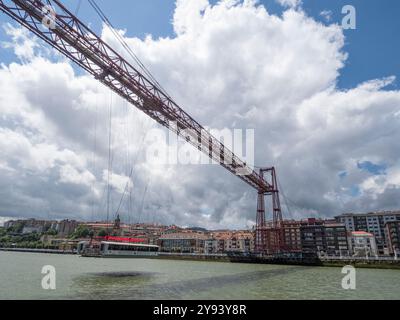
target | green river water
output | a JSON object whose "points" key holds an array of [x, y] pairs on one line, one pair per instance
{"points": [[88, 278]]}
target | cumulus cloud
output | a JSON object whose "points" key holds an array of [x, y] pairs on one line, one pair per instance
{"points": [[23, 44], [289, 3], [230, 65], [326, 14]]}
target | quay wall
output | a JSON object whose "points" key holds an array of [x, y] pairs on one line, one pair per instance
{"points": [[46, 251], [379, 263], [362, 263], [358, 263]]}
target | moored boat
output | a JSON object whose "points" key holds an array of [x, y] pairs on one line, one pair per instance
{"points": [[113, 249]]}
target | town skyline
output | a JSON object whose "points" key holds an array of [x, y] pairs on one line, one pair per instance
{"points": [[365, 234], [128, 222]]}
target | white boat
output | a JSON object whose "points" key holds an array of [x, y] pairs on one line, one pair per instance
{"points": [[108, 249]]}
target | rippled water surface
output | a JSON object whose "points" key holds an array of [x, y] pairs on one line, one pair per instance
{"points": [[85, 278]]}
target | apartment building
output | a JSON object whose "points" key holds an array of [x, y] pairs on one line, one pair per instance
{"points": [[324, 236], [362, 244], [183, 242], [292, 235], [66, 227], [230, 242], [373, 222], [393, 237]]}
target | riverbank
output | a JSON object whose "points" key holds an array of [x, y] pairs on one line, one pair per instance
{"points": [[363, 263], [382, 263], [372, 263], [232, 258], [45, 251]]}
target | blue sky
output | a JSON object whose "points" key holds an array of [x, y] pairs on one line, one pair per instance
{"points": [[372, 168], [374, 47], [356, 161]]}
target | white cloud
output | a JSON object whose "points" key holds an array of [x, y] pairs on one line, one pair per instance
{"points": [[121, 183], [289, 3], [377, 185], [69, 174], [327, 15], [230, 65], [22, 42]]}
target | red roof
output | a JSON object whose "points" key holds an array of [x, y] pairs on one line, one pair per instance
{"points": [[362, 233]]}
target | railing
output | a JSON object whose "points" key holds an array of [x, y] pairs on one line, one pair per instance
{"points": [[54, 251], [192, 254], [347, 258]]}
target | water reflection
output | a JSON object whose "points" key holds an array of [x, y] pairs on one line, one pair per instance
{"points": [[80, 278], [140, 285], [108, 285]]}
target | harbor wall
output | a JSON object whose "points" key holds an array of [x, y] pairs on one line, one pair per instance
{"points": [[358, 263]]}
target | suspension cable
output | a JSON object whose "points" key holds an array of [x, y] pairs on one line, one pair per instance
{"points": [[286, 200], [124, 44], [78, 7]]}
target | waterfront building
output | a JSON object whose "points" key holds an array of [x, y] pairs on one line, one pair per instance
{"points": [[53, 242], [326, 237], [32, 229], [98, 226], [239, 241], [211, 246], [292, 235], [230, 242], [373, 222], [312, 236], [107, 226], [9, 224], [34, 226], [393, 237], [238, 244], [66, 227], [362, 244], [183, 242], [336, 242]]}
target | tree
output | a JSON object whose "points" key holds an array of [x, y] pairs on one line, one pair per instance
{"points": [[51, 232], [81, 232], [17, 228], [102, 233]]}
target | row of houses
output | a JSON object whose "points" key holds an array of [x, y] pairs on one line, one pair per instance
{"points": [[384, 226], [62, 228], [326, 237], [215, 242], [308, 236], [370, 234]]}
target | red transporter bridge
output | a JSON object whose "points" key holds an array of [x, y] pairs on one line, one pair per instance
{"points": [[51, 21]]}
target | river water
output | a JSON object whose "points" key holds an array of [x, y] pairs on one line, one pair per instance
{"points": [[88, 278]]}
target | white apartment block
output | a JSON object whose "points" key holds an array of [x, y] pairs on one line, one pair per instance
{"points": [[362, 244], [373, 223]]}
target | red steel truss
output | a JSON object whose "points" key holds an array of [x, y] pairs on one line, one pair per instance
{"points": [[75, 40], [269, 238]]}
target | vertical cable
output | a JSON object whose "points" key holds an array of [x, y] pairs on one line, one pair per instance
{"points": [[109, 160]]}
